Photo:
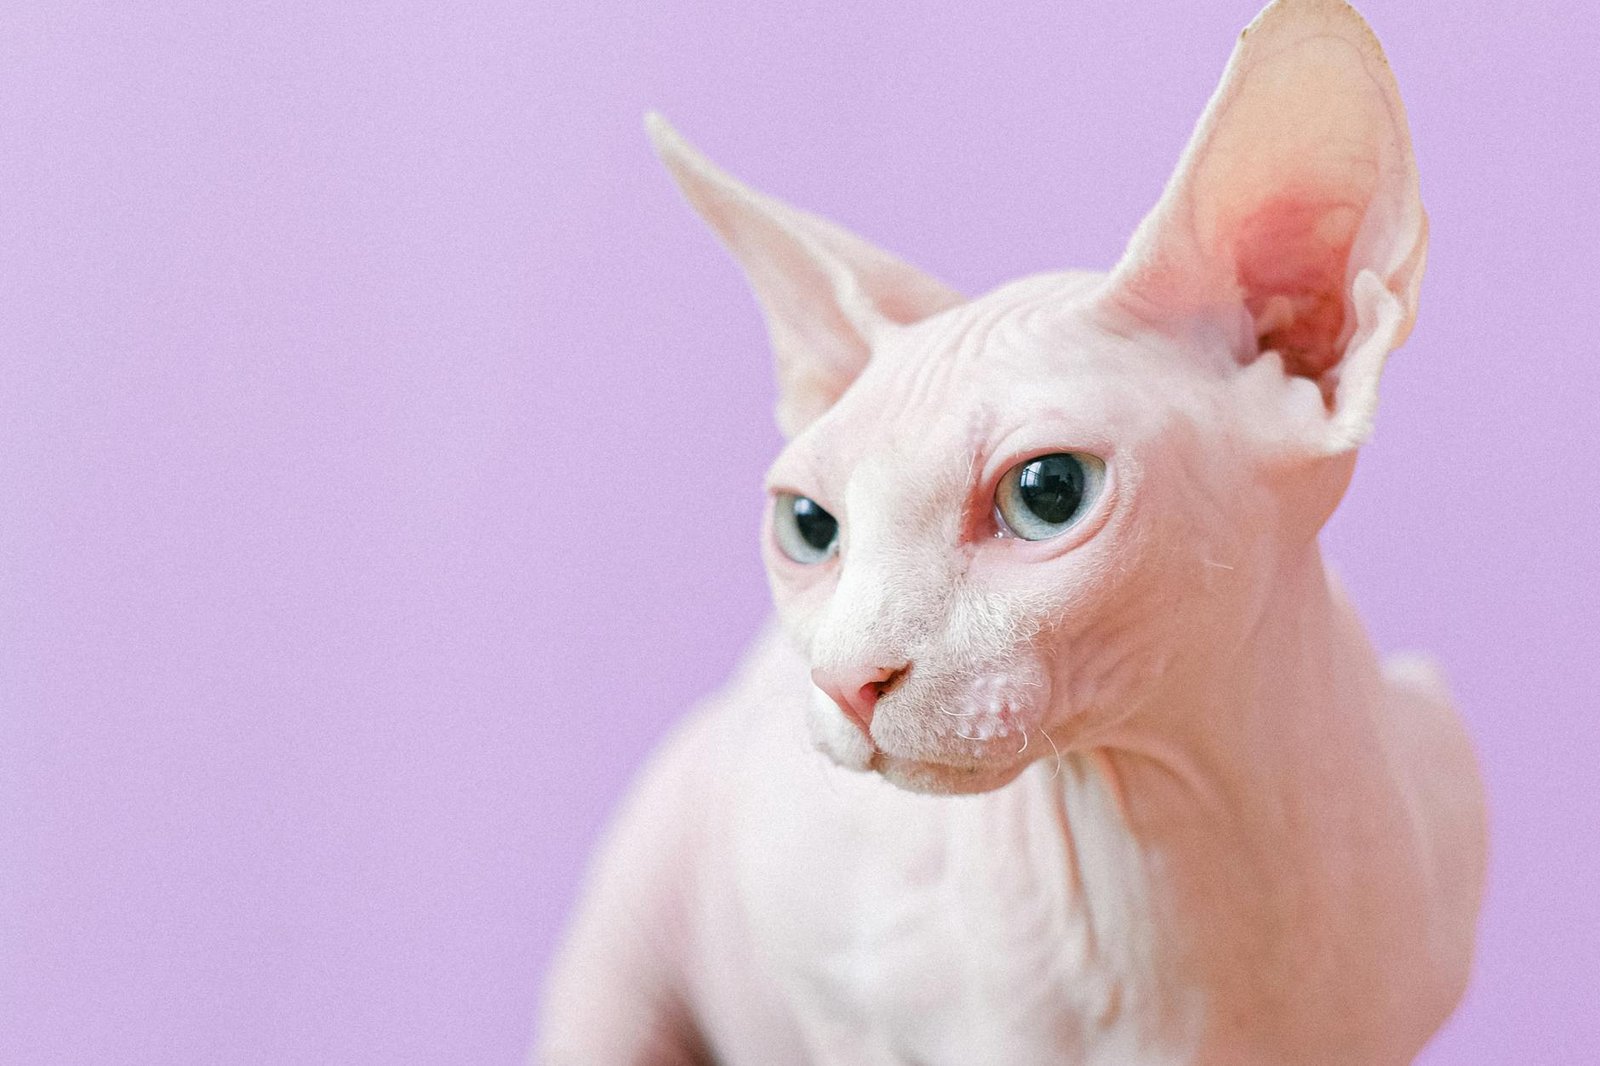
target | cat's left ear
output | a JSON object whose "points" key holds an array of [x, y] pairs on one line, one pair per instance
{"points": [[1293, 223], [827, 293]]}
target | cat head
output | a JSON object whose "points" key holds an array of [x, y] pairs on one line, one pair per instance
{"points": [[1009, 524]]}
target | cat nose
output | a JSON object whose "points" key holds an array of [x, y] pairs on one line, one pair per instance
{"points": [[856, 689]]}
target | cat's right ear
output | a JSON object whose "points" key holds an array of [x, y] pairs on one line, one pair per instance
{"points": [[827, 293]]}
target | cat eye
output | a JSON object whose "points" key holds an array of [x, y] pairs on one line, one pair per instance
{"points": [[806, 533], [1045, 497]]}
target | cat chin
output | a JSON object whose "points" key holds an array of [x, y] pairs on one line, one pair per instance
{"points": [[847, 748], [943, 779]]}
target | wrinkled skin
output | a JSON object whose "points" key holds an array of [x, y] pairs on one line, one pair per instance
{"points": [[1138, 792]]}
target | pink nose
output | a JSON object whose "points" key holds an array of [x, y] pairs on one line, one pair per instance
{"points": [[856, 689]]}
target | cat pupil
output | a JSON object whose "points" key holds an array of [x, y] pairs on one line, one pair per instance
{"points": [[816, 526], [1052, 487]]}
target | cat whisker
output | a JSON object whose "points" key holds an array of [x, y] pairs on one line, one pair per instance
{"points": [[953, 714], [963, 736], [1024, 741], [1057, 771]]}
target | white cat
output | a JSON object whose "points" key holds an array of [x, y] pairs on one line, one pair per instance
{"points": [[1055, 548]]}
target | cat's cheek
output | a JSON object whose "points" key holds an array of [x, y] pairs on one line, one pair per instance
{"points": [[1102, 676], [800, 598]]}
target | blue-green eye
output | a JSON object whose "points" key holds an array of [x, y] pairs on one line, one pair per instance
{"points": [[1044, 497], [806, 533]]}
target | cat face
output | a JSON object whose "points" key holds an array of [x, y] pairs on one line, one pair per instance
{"points": [[1000, 648], [987, 634], [1003, 527]]}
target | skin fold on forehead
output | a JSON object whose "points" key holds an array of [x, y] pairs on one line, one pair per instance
{"points": [[940, 394]]}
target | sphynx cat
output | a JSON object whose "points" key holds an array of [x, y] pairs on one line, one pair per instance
{"points": [[1111, 772]]}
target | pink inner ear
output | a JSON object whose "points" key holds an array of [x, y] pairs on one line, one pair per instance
{"points": [[1291, 255]]}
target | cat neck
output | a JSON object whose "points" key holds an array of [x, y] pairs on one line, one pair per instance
{"points": [[1264, 825], [1290, 722]]}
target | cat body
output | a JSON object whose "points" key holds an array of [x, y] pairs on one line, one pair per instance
{"points": [[1066, 747], [828, 917]]}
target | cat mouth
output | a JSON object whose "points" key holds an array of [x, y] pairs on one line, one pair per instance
{"points": [[973, 740], [936, 777]]}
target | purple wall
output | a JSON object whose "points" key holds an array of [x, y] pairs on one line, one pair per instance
{"points": [[380, 444]]}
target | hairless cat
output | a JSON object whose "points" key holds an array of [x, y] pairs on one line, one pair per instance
{"points": [[1111, 773]]}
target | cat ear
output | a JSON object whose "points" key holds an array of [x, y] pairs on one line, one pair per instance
{"points": [[827, 294], [1293, 219]]}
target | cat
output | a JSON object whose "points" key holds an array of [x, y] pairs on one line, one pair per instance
{"points": [[1111, 773]]}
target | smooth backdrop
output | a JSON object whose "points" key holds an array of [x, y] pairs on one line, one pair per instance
{"points": [[381, 442]]}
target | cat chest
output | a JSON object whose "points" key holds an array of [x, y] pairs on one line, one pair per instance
{"points": [[960, 936]]}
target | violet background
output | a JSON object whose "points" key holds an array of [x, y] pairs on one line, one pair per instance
{"points": [[381, 441]]}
